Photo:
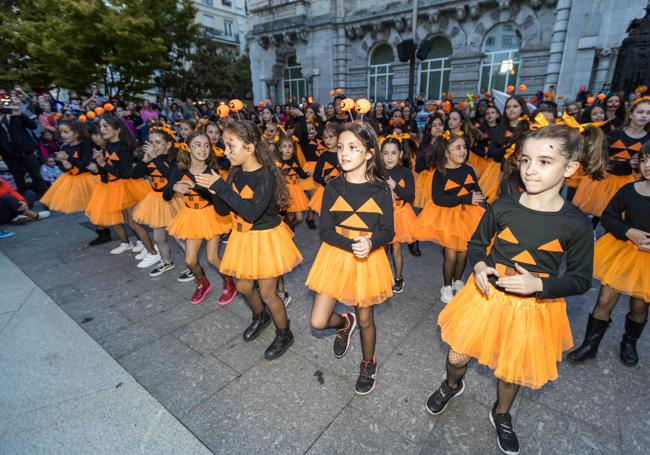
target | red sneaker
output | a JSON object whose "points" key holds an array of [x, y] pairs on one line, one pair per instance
{"points": [[203, 288], [229, 292]]}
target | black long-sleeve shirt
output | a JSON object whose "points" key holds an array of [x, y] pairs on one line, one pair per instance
{"points": [[496, 151], [364, 207], [292, 170], [537, 241], [251, 198], [621, 149], [197, 198], [454, 187], [313, 150], [159, 171], [628, 209], [326, 167], [119, 162], [405, 184], [79, 156], [15, 140]]}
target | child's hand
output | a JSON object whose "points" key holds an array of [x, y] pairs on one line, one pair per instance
{"points": [[183, 187], [61, 156], [391, 183], [477, 198], [481, 273], [98, 156], [22, 206], [149, 152], [361, 247], [525, 283], [640, 238], [207, 180], [92, 167]]}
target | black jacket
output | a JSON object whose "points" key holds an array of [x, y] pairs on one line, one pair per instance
{"points": [[15, 138]]}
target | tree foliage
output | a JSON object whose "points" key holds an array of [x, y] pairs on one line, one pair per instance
{"points": [[128, 46], [70, 43]]}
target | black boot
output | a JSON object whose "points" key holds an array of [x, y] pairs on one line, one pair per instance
{"points": [[414, 249], [260, 321], [282, 341], [589, 348], [633, 331], [103, 236]]}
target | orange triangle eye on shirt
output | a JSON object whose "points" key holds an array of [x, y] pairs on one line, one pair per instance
{"points": [[525, 257]]}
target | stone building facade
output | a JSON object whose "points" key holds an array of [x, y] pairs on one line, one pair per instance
{"points": [[308, 47], [225, 21]]}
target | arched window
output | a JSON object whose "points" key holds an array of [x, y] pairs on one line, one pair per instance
{"points": [[380, 73], [295, 85], [435, 70], [500, 65]]}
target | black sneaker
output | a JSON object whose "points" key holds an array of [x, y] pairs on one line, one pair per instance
{"points": [[398, 287], [161, 268], [285, 297], [311, 224], [366, 380], [282, 341], [344, 335], [506, 437], [185, 276], [438, 400]]}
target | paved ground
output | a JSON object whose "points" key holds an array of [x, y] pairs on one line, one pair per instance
{"points": [[193, 361], [61, 393]]}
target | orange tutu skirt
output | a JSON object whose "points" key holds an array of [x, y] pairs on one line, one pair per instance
{"points": [[490, 180], [71, 193], [520, 338], [404, 219], [308, 184], [423, 188], [199, 224], [156, 212], [478, 163], [339, 274], [299, 202], [574, 180], [593, 196], [256, 255], [110, 199], [316, 200], [449, 227], [621, 266]]}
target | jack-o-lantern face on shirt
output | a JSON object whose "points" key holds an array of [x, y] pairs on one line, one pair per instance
{"points": [[508, 244]]}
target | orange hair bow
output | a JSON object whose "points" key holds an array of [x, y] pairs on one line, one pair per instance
{"points": [[540, 122], [573, 123], [182, 146], [524, 117], [509, 151], [643, 99], [398, 137]]}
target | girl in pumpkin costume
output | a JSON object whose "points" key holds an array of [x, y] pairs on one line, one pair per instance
{"points": [[326, 165], [513, 126], [356, 224], [455, 211], [154, 211], [113, 199], [285, 150], [624, 145], [400, 180], [622, 264], [511, 315], [72, 191], [198, 221], [260, 248]]}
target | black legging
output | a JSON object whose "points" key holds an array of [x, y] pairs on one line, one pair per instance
{"points": [[9, 205]]}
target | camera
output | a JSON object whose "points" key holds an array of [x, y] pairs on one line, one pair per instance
{"points": [[5, 106]]}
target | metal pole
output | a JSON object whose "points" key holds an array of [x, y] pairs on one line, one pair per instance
{"points": [[414, 26]]}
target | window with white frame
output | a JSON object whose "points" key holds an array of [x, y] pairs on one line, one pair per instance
{"points": [[227, 28], [207, 20], [501, 63], [436, 69], [295, 85], [380, 73]]}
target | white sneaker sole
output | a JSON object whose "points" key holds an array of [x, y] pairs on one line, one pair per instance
{"points": [[498, 443], [162, 272], [374, 384], [460, 392]]}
